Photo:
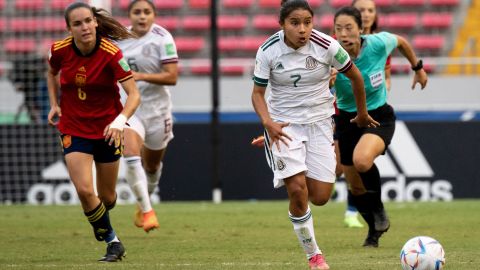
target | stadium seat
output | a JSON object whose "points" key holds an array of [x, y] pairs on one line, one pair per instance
{"points": [[200, 67], [199, 4], [340, 3], [2, 4], [444, 2], [325, 22], [428, 42], [16, 45], [410, 3], [29, 4], [24, 24], [196, 22], [3, 24], [189, 44], [436, 20], [269, 4], [232, 22], [124, 4], [265, 22], [59, 4], [53, 24], [245, 43], [400, 20], [171, 23], [168, 4], [237, 3]]}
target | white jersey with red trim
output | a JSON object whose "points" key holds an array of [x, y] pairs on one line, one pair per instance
{"points": [[146, 55], [299, 79]]}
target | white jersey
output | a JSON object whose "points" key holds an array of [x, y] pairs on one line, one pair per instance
{"points": [[147, 54], [299, 78]]}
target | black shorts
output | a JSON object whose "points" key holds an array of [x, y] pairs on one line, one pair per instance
{"points": [[99, 148], [349, 134]]}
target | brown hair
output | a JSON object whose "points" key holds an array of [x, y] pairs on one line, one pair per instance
{"points": [[374, 26], [107, 26], [133, 2]]}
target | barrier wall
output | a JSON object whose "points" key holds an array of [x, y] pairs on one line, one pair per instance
{"points": [[426, 161]]}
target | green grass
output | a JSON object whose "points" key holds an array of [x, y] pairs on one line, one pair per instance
{"points": [[232, 235]]}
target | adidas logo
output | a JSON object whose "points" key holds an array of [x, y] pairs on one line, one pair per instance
{"points": [[278, 66], [82, 69]]}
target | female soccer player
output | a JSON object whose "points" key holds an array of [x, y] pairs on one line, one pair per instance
{"points": [[153, 58], [84, 71], [360, 146], [296, 62]]}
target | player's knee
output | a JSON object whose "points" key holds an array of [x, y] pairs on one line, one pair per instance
{"points": [[320, 199], [85, 194], [362, 164]]}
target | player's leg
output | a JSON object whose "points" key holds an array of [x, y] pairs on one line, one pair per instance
{"points": [[135, 176], [107, 164]]}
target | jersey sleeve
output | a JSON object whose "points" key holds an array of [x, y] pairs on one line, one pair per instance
{"points": [[339, 58], [389, 41], [261, 73], [120, 67], [168, 50], [54, 58]]}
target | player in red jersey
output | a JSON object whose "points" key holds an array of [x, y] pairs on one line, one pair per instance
{"points": [[84, 96]]}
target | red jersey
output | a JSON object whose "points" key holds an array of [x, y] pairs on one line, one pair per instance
{"points": [[89, 95]]}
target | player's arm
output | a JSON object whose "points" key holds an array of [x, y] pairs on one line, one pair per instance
{"points": [[274, 129], [362, 119], [407, 50], [53, 84], [167, 76]]}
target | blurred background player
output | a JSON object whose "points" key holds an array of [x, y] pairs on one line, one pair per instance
{"points": [[153, 59], [298, 134], [84, 70], [360, 146]]}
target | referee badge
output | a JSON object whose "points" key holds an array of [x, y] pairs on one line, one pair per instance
{"points": [[280, 164]]}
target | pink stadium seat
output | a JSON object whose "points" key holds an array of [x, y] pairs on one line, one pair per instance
{"points": [[401, 20], [437, 20], [60, 4], [428, 42], [234, 22], [266, 22], [245, 43], [340, 3], [170, 23], [189, 44], [196, 22], [3, 24], [22, 24], [444, 2], [325, 22], [232, 70], [410, 3], [200, 66], [2, 4], [269, 4], [124, 4], [29, 4], [53, 24], [168, 4], [199, 4], [15, 45], [237, 3]]}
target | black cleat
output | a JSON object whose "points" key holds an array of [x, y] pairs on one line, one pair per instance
{"points": [[115, 252], [372, 239]]}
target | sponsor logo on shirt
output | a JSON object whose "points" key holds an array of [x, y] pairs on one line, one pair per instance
{"points": [[123, 63]]}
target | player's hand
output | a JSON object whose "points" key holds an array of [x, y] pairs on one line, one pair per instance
{"points": [[113, 135], [333, 77], [276, 134], [53, 115], [137, 76], [258, 142], [421, 78], [365, 120]]}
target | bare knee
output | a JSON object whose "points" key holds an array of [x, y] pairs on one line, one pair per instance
{"points": [[362, 163], [320, 200], [298, 198], [86, 194]]}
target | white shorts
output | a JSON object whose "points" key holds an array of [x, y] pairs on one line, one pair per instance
{"points": [[155, 132], [311, 150]]}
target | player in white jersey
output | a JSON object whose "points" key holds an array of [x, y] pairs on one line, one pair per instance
{"points": [[297, 62], [153, 59]]}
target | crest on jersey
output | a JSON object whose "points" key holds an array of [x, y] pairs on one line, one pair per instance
{"points": [[80, 80], [123, 63], [311, 63], [146, 51], [281, 164]]}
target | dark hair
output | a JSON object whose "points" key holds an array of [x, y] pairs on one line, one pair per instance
{"points": [[287, 6], [133, 2], [374, 26], [107, 26], [350, 11]]}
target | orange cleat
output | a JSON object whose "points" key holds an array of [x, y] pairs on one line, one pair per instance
{"points": [[258, 142], [150, 221], [318, 262], [138, 218]]}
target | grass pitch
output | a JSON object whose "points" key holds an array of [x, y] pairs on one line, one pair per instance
{"points": [[231, 235]]}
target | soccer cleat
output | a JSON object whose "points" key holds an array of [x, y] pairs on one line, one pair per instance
{"points": [[318, 262], [138, 218], [382, 224], [351, 221], [150, 221], [258, 142], [115, 252]]}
